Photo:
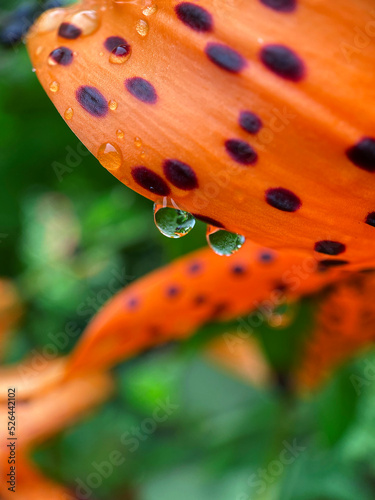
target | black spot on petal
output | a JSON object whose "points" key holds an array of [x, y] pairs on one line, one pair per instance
{"points": [[283, 62], [208, 220], [92, 101], [69, 31], [180, 174], [329, 247], [332, 263], [280, 5], [238, 269], [363, 154], [283, 199], [241, 152], [225, 57], [141, 89], [194, 16], [61, 55], [370, 219], [114, 41], [250, 122], [151, 181], [173, 291], [195, 267]]}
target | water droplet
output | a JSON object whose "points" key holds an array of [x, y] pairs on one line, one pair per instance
{"points": [[120, 54], [148, 11], [171, 222], [87, 21], [142, 27], [143, 154], [68, 115], [138, 142], [54, 87], [112, 105], [101, 53], [223, 242], [50, 20], [39, 50], [120, 134], [110, 156]]}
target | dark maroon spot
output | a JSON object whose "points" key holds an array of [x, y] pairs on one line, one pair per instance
{"points": [[283, 61], [114, 41], [370, 219], [363, 154], [265, 256], [332, 263], [194, 16], [69, 31], [150, 180], [180, 174], [283, 199], [199, 300], [218, 310], [141, 89], [121, 50], [62, 55], [133, 303], [208, 220], [92, 101], [238, 269], [280, 5], [250, 122], [225, 57], [329, 247], [173, 291], [195, 268], [241, 152]]}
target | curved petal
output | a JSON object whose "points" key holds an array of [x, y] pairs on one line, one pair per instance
{"points": [[40, 418], [254, 115], [171, 303]]}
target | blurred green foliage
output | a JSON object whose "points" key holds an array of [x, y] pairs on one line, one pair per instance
{"points": [[62, 241]]}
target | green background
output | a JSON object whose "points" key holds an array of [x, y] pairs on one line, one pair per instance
{"points": [[60, 243]]}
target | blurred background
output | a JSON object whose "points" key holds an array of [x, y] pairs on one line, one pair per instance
{"points": [[67, 227]]}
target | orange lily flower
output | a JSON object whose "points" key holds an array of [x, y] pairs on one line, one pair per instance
{"points": [[254, 118]]}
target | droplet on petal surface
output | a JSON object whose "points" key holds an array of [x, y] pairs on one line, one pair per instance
{"points": [[223, 242], [68, 115], [171, 222], [110, 156], [151, 9], [87, 20], [54, 87], [112, 105], [142, 27]]}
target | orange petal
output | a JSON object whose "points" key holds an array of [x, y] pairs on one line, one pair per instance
{"points": [[246, 360], [173, 302], [40, 418], [345, 327], [161, 110], [32, 377], [31, 484]]}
